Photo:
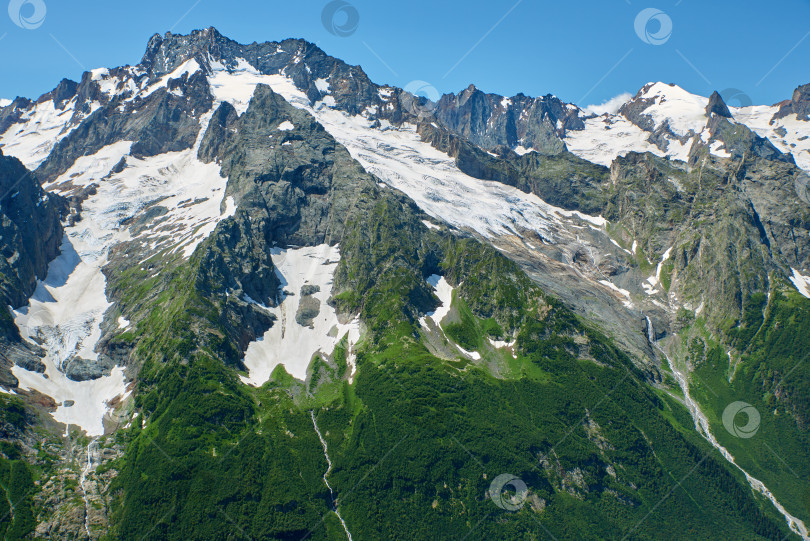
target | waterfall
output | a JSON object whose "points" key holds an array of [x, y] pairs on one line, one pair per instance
{"points": [[325, 480], [88, 467]]}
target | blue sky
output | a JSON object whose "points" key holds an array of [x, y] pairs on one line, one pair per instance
{"points": [[583, 51]]}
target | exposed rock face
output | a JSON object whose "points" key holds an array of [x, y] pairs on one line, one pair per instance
{"points": [[296, 182], [798, 105], [12, 113], [74, 502], [727, 223], [738, 141], [103, 111], [166, 120], [288, 188], [309, 306], [636, 111], [79, 369], [30, 236], [751, 221], [30, 230], [291, 187], [303, 62], [717, 106], [308, 310], [490, 121], [487, 120]]}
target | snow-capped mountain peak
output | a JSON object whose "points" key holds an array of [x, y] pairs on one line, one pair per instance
{"points": [[659, 105]]}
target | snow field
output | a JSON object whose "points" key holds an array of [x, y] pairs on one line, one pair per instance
{"points": [[287, 342]]}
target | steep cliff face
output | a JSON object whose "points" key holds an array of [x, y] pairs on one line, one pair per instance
{"points": [[30, 237], [728, 226], [31, 230], [491, 121]]}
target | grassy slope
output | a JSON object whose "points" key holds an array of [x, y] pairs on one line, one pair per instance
{"points": [[771, 375], [17, 488]]}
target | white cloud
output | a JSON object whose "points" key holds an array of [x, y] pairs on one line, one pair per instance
{"points": [[4, 102], [611, 106]]}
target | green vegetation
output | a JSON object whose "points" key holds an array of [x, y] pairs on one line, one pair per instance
{"points": [[772, 375], [16, 501], [416, 441], [17, 486], [466, 332], [666, 274]]}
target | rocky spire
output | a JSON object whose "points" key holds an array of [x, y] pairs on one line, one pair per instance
{"points": [[717, 106]]}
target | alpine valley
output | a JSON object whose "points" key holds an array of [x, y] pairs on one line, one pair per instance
{"points": [[249, 293]]}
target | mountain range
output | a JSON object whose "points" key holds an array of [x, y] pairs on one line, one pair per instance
{"points": [[250, 293]]}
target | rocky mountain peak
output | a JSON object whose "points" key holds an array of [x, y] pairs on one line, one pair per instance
{"points": [[165, 53], [799, 104], [717, 106]]}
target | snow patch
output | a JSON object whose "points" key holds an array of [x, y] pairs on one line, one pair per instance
{"points": [[801, 282], [664, 258], [472, 354], [649, 285], [40, 129], [611, 135], [788, 134], [430, 225], [286, 126], [444, 291], [65, 312], [89, 169], [193, 209], [604, 139], [287, 342], [322, 85], [628, 303], [64, 316], [236, 86], [620, 246], [718, 149], [500, 344], [683, 111], [112, 86], [188, 67]]}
